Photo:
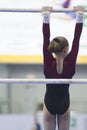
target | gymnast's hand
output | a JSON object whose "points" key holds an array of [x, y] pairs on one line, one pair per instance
{"points": [[79, 13], [46, 11], [79, 10]]}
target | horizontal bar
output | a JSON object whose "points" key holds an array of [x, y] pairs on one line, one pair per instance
{"points": [[36, 10], [43, 81]]}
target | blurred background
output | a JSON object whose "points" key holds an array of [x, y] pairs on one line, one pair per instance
{"points": [[21, 56]]}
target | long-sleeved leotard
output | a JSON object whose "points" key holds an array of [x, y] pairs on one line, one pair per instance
{"points": [[57, 95]]}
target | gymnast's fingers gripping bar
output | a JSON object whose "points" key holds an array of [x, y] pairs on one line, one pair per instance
{"points": [[37, 10], [43, 81]]}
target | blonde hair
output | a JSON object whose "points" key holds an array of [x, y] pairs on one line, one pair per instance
{"points": [[58, 44]]}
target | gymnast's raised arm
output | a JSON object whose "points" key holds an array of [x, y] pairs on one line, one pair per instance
{"points": [[47, 56], [77, 33]]}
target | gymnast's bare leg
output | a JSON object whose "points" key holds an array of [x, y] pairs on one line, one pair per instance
{"points": [[49, 120], [64, 121]]}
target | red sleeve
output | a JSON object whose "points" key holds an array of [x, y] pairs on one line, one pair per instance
{"points": [[75, 46], [46, 40]]}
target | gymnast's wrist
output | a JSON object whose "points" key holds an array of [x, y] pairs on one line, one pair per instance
{"points": [[46, 19], [79, 18]]}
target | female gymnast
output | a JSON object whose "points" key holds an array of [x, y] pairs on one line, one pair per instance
{"points": [[59, 63]]}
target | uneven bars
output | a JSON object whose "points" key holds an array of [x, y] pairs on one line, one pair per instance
{"points": [[43, 81], [36, 10]]}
